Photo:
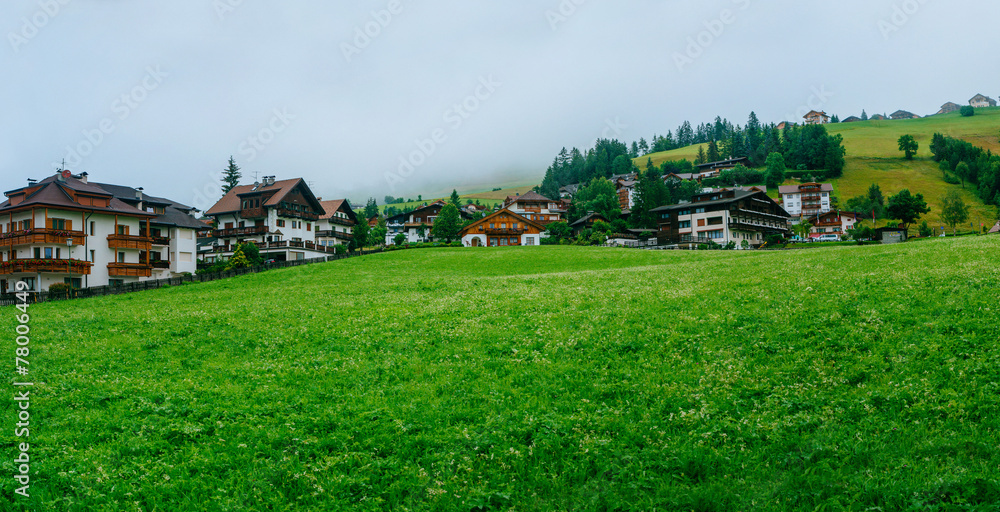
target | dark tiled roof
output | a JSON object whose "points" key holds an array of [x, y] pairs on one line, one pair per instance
{"points": [[231, 201], [588, 217], [51, 192]]}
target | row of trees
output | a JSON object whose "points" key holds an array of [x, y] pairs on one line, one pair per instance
{"points": [[970, 164]]}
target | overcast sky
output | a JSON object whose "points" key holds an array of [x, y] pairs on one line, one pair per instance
{"points": [[160, 94]]}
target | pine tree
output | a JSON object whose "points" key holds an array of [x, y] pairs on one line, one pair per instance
{"points": [[864, 115], [371, 208], [713, 152], [231, 176], [700, 159], [360, 234], [448, 224], [455, 200]]}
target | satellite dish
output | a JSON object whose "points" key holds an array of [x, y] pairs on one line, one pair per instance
{"points": [[66, 173]]}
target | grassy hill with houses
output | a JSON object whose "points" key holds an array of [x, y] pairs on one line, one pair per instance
{"points": [[874, 157], [530, 378]]}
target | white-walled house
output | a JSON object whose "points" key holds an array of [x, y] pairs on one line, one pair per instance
{"points": [[65, 229], [416, 225], [280, 217], [806, 199], [336, 225], [536, 207]]}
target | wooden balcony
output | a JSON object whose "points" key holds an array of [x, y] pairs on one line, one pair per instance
{"points": [[41, 236], [292, 214], [130, 269], [253, 213], [46, 266], [142, 243], [160, 264], [504, 231], [341, 221], [235, 232], [334, 234], [161, 240]]}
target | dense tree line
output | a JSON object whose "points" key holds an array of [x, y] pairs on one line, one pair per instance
{"points": [[802, 147], [976, 166]]}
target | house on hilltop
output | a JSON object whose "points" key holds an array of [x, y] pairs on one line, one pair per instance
{"points": [[877, 117], [852, 119], [903, 114], [503, 228], [713, 169], [949, 107], [980, 101], [814, 117]]}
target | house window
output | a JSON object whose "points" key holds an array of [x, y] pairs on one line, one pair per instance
{"points": [[116, 282], [713, 235], [513, 241], [243, 224], [684, 224], [122, 230], [59, 224], [48, 253], [121, 257], [281, 223], [529, 240], [93, 256], [309, 226], [30, 282], [701, 222], [75, 282], [92, 230], [38, 253], [503, 241], [699, 210], [715, 221]]}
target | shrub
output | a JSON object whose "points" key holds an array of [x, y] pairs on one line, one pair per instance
{"points": [[951, 179], [62, 291], [925, 230], [967, 111]]}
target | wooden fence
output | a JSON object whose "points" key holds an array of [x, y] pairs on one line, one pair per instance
{"points": [[98, 291]]}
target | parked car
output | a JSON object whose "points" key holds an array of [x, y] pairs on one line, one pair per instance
{"points": [[828, 238]]}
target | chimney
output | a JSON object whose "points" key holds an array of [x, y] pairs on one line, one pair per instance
{"points": [[82, 177], [138, 195], [32, 181]]}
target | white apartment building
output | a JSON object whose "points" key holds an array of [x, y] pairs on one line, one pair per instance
{"points": [[336, 225], [65, 229], [806, 199]]}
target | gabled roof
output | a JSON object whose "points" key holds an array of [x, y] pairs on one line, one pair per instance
{"points": [[795, 189], [980, 97], [494, 214], [331, 207], [903, 113], [52, 192], [852, 119], [723, 163], [529, 196], [587, 218], [814, 113], [995, 229], [279, 189]]}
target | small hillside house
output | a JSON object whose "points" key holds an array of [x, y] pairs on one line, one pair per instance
{"points": [[501, 229], [536, 207], [814, 117], [981, 101], [852, 119], [586, 222], [832, 223], [416, 225], [336, 225], [949, 107], [903, 114]]}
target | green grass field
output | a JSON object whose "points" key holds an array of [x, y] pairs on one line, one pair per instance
{"points": [[543, 378]]}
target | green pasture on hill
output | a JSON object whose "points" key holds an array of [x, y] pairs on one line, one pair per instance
{"points": [[535, 378]]}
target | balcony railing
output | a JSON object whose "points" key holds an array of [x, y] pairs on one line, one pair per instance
{"points": [[231, 232], [142, 243], [41, 236], [160, 264], [504, 231], [161, 240], [341, 221], [130, 269], [52, 266], [284, 212], [334, 234], [283, 244]]}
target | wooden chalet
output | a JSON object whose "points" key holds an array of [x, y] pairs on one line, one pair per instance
{"points": [[816, 117], [949, 107], [903, 114], [586, 222], [501, 229], [981, 101]]}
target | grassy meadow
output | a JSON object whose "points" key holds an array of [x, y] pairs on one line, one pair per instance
{"points": [[536, 378]]}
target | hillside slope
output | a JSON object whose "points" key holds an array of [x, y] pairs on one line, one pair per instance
{"points": [[873, 156], [541, 378]]}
